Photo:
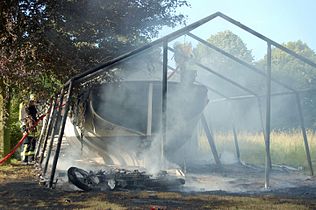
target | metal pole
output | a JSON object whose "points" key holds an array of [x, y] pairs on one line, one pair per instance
{"points": [[164, 98], [50, 145], [49, 129], [262, 124], [130, 54], [60, 136], [260, 116], [234, 132], [269, 41], [268, 115], [236, 143], [308, 156], [219, 75], [43, 131], [149, 109], [210, 139], [57, 119]]}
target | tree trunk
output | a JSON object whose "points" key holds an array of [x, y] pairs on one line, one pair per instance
{"points": [[5, 133], [2, 153]]}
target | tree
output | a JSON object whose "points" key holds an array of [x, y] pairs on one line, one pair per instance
{"points": [[44, 43], [297, 75], [227, 41], [61, 38], [245, 111], [285, 67], [232, 44]]}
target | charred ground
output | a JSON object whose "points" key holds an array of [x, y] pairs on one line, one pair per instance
{"points": [[19, 189]]}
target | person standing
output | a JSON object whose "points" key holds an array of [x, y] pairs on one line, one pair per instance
{"points": [[28, 126], [31, 109], [183, 54], [29, 144]]}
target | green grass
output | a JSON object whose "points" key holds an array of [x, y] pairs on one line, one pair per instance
{"points": [[286, 147]]}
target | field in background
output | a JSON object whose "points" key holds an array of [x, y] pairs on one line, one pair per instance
{"points": [[286, 147]]}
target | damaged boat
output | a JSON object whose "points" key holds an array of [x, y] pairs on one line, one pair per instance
{"points": [[120, 120]]}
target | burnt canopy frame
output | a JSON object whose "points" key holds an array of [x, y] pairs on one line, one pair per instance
{"points": [[268, 118], [48, 131], [164, 97], [55, 128], [163, 42], [61, 130], [43, 131], [268, 95], [203, 119], [290, 52]]}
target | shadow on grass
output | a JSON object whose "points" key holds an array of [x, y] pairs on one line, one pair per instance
{"points": [[29, 195], [18, 190]]}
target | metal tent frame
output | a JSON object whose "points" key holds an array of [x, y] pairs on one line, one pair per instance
{"points": [[55, 114]]}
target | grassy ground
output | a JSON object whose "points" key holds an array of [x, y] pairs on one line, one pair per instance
{"points": [[286, 147], [20, 190]]}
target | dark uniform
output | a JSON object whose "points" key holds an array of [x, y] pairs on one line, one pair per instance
{"points": [[29, 144], [31, 110]]}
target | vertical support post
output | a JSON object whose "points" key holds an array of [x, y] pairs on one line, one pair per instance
{"points": [[235, 133], [210, 140], [236, 143], [268, 118], [260, 116], [57, 119], [60, 135], [43, 131], [308, 156], [149, 109], [164, 98], [262, 124], [49, 129]]}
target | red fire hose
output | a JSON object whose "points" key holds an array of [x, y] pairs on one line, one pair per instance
{"points": [[20, 142], [22, 139]]}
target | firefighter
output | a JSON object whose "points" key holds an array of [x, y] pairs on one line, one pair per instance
{"points": [[183, 57], [30, 108], [29, 144], [28, 125]]}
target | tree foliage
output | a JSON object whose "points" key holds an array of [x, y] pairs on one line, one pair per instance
{"points": [[297, 75], [44, 43], [232, 44], [44, 40], [294, 72], [227, 41], [285, 68]]}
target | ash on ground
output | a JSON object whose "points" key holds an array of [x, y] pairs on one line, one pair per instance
{"points": [[233, 179], [248, 179]]}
